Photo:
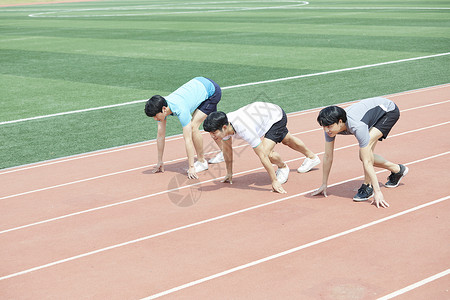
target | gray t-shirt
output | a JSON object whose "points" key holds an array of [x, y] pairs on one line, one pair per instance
{"points": [[362, 116]]}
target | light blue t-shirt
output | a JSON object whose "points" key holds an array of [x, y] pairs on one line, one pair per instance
{"points": [[188, 97]]}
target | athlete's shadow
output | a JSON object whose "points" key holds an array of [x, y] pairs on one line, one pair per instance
{"points": [[256, 181], [176, 167], [346, 191]]}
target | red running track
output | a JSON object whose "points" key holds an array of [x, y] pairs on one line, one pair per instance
{"points": [[102, 226]]}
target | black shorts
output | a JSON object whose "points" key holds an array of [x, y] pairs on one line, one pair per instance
{"points": [[278, 131], [210, 105], [387, 121]]}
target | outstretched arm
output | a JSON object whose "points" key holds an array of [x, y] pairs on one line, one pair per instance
{"points": [[160, 143], [367, 158], [227, 149], [326, 168], [264, 157], [187, 135]]}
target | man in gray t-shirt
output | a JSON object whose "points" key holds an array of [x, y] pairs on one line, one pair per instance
{"points": [[369, 120]]}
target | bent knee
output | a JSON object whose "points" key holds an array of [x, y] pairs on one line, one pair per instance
{"points": [[271, 154], [287, 140], [195, 126]]}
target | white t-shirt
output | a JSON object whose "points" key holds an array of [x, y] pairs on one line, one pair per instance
{"points": [[252, 121]]}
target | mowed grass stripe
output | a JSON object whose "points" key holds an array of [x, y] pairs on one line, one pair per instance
{"points": [[115, 27], [166, 38], [327, 54]]}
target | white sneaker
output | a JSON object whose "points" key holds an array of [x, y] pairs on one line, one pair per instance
{"points": [[217, 159], [200, 166], [308, 164], [282, 174]]}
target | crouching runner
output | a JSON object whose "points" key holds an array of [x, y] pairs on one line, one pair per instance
{"points": [[262, 125]]}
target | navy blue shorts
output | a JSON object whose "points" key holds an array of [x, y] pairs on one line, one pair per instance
{"points": [[210, 105], [278, 131]]}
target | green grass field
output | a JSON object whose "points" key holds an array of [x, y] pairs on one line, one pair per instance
{"points": [[63, 57]]}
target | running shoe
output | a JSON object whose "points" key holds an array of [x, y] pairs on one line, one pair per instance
{"points": [[282, 174], [200, 166], [364, 193], [217, 159], [394, 178], [308, 164]]}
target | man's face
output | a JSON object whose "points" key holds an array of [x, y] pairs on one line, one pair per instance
{"points": [[218, 135], [332, 129], [159, 117]]}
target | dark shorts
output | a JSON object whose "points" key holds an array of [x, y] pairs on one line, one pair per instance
{"points": [[387, 121], [210, 105], [278, 131]]}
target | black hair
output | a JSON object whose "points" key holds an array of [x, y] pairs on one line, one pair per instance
{"points": [[215, 121], [154, 105], [330, 115]]}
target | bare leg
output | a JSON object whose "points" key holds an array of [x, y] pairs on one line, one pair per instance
{"points": [[197, 119], [381, 162], [274, 157], [298, 145], [378, 160]]}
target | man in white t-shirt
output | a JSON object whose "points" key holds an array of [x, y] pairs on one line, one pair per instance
{"points": [[251, 123]]}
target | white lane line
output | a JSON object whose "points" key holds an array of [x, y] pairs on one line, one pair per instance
{"points": [[198, 223], [415, 285], [290, 251], [425, 106], [426, 89], [190, 8], [70, 112], [199, 183], [234, 86], [172, 138], [167, 162], [340, 70], [163, 10], [374, 8], [85, 155]]}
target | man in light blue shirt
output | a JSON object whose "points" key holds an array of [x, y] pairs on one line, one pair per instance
{"points": [[191, 104]]}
